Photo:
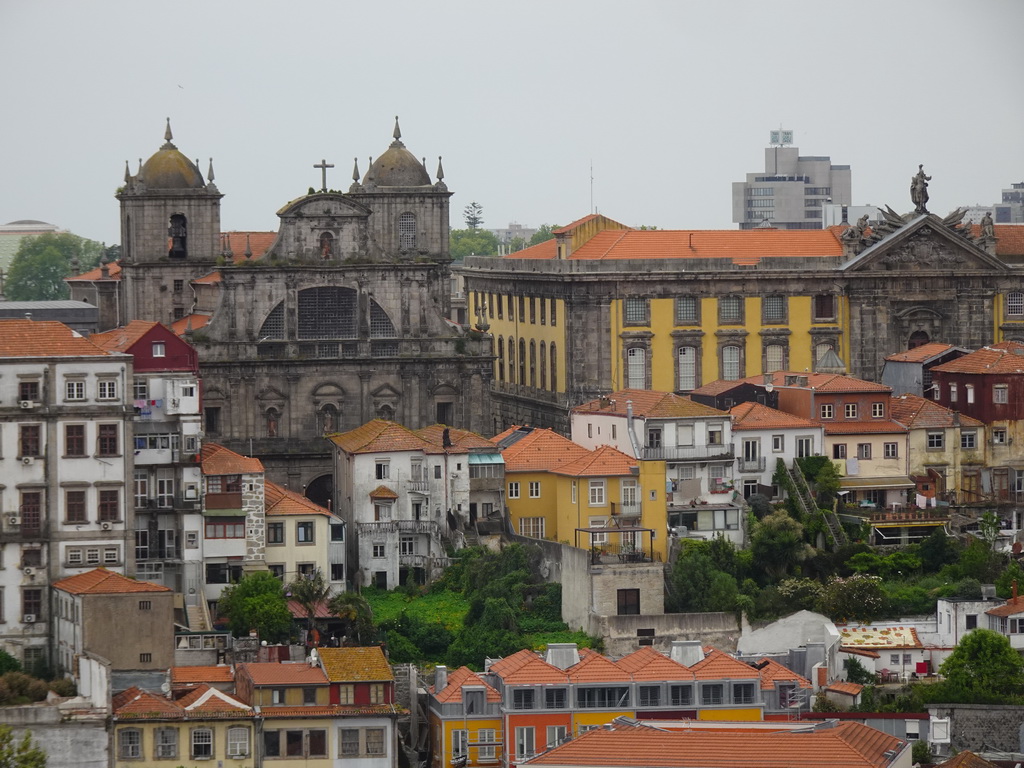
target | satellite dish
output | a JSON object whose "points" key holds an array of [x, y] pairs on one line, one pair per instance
{"points": [[165, 687], [769, 387]]}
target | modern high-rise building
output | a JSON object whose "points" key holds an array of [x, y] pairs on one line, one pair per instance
{"points": [[791, 190], [1011, 209]]}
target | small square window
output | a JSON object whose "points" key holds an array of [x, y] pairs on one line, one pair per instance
{"points": [[145, 658], [864, 450], [159, 349], [826, 410], [107, 389], [878, 410], [534, 490], [513, 490], [851, 410], [730, 309], [892, 450], [1000, 394], [74, 390]]}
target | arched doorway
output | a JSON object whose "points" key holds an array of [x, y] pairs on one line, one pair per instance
{"points": [[918, 339], [321, 491]]}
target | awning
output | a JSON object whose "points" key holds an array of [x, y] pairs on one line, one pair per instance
{"points": [[486, 458], [876, 483]]}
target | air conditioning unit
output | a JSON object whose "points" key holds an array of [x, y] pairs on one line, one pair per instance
{"points": [[28, 570], [105, 526], [28, 461], [27, 405], [28, 618], [13, 520]]}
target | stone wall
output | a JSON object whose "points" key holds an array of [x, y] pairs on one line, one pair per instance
{"points": [[622, 634], [983, 727], [79, 743]]}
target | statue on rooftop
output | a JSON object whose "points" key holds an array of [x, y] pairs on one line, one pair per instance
{"points": [[988, 227], [919, 190]]}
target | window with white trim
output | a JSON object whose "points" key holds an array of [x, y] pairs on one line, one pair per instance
{"points": [[129, 743], [731, 362], [636, 368], [107, 389], [532, 527], [891, 450], [1015, 304], [513, 490], [826, 410], [74, 389], [166, 742], [460, 742], [687, 368], [238, 742], [687, 310], [525, 742], [969, 390], [534, 489], [969, 439], [1000, 394], [878, 410], [851, 410], [202, 744], [597, 496]]}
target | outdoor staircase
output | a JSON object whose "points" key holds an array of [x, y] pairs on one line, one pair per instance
{"points": [[196, 618], [805, 501]]}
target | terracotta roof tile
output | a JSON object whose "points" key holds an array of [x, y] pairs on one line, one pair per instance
{"points": [[1009, 239], [207, 701], [346, 665], [282, 501], [100, 581], [1010, 608], [334, 710], [916, 412], [137, 704], [113, 272], [863, 427], [921, 354], [595, 668], [846, 745], [718, 665], [460, 438], [546, 250], [380, 436], [44, 338], [383, 492], [527, 668], [258, 243], [452, 692], [821, 382], [276, 673], [860, 652], [602, 462], [758, 416], [772, 672], [211, 279], [218, 460], [1004, 357], [648, 404], [123, 338], [195, 322], [647, 664], [219, 673], [968, 759], [538, 450], [843, 686]]}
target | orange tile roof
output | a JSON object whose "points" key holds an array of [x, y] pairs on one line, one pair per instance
{"points": [[647, 664], [44, 338], [1009, 239], [916, 412], [276, 673], [546, 250], [595, 668], [772, 672], [648, 404], [602, 462], [357, 664], [860, 652], [121, 339], [258, 243], [539, 450], [207, 701], [843, 686], [452, 692], [921, 354], [279, 500], [137, 704], [333, 710], [218, 460], [863, 427], [968, 759], [821, 382], [459, 438], [718, 665], [113, 272], [1010, 608], [717, 387], [219, 673], [195, 322], [527, 668], [100, 581], [211, 279], [846, 745], [758, 416], [383, 492], [1004, 357], [380, 436]]}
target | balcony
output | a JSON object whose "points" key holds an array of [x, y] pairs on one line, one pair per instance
{"points": [[425, 527], [624, 510], [687, 453], [752, 465], [417, 486]]}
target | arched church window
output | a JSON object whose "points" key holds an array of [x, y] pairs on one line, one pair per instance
{"points": [[380, 324], [501, 358], [178, 233], [407, 231], [326, 245], [511, 360], [522, 361], [328, 313], [554, 366], [273, 326], [543, 363]]}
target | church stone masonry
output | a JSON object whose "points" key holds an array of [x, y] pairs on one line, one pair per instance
{"points": [[341, 320]]}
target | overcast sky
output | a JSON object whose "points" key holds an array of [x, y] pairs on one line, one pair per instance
{"points": [[670, 102]]}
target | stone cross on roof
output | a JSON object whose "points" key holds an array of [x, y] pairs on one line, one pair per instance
{"points": [[323, 165]]}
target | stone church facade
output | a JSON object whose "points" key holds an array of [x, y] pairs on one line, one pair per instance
{"points": [[341, 319]]}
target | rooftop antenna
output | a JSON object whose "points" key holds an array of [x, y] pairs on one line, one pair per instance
{"points": [[592, 209]]}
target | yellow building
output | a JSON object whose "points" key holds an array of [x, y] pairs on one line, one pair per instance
{"points": [[205, 725], [302, 537], [465, 720], [604, 307]]}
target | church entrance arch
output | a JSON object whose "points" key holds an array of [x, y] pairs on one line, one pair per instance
{"points": [[918, 339], [321, 491]]}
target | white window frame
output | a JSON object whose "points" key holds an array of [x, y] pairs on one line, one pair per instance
{"points": [[534, 489], [460, 742], [878, 410], [532, 527], [488, 750], [526, 742], [238, 747], [513, 490], [778, 443], [596, 494], [106, 389], [891, 450], [827, 410], [1000, 394], [74, 389], [206, 741], [129, 744], [850, 411]]}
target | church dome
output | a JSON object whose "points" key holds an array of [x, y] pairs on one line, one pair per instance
{"points": [[170, 169], [397, 167]]}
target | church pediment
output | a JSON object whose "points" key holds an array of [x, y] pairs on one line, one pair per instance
{"points": [[324, 206], [924, 245]]}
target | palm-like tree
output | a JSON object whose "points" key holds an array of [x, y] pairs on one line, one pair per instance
{"points": [[355, 612], [310, 591]]}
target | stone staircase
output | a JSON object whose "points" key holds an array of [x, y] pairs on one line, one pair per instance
{"points": [[198, 617], [805, 501]]}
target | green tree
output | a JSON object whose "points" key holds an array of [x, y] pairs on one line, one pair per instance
{"points": [[777, 545], [857, 672], [920, 753], [310, 591], [698, 586], [516, 244], [989, 528], [42, 262], [472, 242], [473, 214], [1011, 573], [938, 550], [355, 612], [982, 666], [544, 232], [827, 483], [857, 598], [8, 663], [257, 602], [22, 753]]}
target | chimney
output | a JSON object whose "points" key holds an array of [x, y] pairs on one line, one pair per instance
{"points": [[440, 678], [686, 652], [562, 655]]}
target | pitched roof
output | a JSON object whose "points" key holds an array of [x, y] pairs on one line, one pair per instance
{"points": [[920, 354], [44, 338], [238, 242], [195, 322], [277, 673], [1009, 239], [648, 404], [123, 338], [538, 450], [846, 745], [380, 436], [219, 673], [357, 664], [545, 250], [1009, 608], [601, 462], [383, 492], [452, 691], [1004, 357], [915, 412], [527, 668], [279, 500], [758, 416], [966, 759], [208, 702], [820, 382], [459, 438], [865, 427], [845, 687], [218, 460], [100, 581], [718, 665], [113, 273], [648, 664], [137, 704], [596, 668], [772, 672]]}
